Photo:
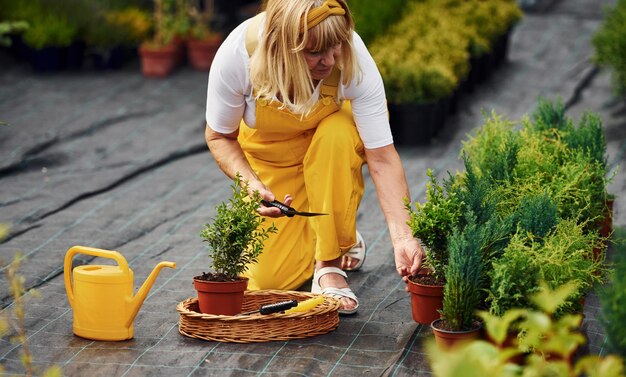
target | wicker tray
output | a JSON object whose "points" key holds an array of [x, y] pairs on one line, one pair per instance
{"points": [[256, 327]]}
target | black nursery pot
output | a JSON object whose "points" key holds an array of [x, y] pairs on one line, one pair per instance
{"points": [[48, 59], [416, 123], [75, 55]]}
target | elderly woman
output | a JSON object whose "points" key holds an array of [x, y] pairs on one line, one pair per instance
{"points": [[296, 105]]}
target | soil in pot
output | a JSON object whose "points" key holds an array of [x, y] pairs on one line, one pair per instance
{"points": [[219, 295], [426, 298], [446, 337]]}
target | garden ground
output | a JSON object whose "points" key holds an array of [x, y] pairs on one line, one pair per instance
{"points": [[117, 161]]}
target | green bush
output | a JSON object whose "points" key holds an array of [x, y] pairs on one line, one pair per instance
{"points": [[551, 340], [372, 18], [462, 291], [536, 214], [432, 222], [613, 298], [493, 149], [236, 235], [566, 161], [112, 27], [563, 256], [9, 27], [485, 21], [610, 45], [423, 56]]}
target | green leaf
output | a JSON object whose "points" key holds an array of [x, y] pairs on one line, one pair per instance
{"points": [[550, 300], [498, 327]]}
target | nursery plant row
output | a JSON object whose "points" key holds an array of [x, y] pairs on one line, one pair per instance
{"points": [[529, 215], [436, 52]]}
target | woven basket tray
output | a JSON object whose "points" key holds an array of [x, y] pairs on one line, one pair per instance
{"points": [[256, 327]]}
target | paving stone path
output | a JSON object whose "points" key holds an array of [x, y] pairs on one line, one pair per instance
{"points": [[117, 161]]}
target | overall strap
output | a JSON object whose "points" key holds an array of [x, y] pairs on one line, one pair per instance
{"points": [[252, 34], [330, 85]]}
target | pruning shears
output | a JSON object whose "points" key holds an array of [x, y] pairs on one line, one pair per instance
{"points": [[289, 211]]}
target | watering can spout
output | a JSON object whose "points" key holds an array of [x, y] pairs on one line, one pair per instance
{"points": [[142, 293]]}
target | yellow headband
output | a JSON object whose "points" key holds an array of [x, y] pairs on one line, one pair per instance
{"points": [[319, 14]]}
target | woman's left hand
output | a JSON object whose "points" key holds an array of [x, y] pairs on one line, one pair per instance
{"points": [[408, 255]]}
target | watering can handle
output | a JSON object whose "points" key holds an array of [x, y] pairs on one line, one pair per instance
{"points": [[67, 266]]}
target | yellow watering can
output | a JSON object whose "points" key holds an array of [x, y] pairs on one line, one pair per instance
{"points": [[102, 295]]}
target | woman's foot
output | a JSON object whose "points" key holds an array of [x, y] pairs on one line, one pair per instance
{"points": [[354, 258], [335, 280]]}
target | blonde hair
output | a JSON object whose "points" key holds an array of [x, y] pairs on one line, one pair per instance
{"points": [[278, 67]]}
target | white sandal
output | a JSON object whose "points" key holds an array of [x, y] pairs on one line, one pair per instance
{"points": [[337, 293], [357, 252]]}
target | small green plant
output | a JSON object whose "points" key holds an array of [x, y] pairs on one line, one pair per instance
{"points": [[536, 214], [589, 138], [613, 297], [16, 287], [169, 20], [236, 234], [373, 18], [116, 27], [200, 20], [493, 149], [550, 342], [9, 27], [50, 30], [563, 256], [432, 222], [550, 116], [462, 291]]}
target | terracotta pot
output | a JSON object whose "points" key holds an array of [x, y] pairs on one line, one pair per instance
{"points": [[426, 301], [158, 62], [446, 339], [200, 53], [220, 298]]}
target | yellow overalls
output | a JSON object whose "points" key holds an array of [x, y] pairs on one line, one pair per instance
{"points": [[318, 160]]}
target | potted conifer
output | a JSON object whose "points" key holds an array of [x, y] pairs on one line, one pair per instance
{"points": [[462, 290], [432, 222], [235, 237]]}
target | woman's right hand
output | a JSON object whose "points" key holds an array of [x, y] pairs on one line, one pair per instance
{"points": [[267, 195]]}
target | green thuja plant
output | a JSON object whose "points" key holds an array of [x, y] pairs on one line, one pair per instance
{"points": [[475, 194], [494, 149], [512, 277], [579, 188], [551, 340], [589, 138], [564, 255], [613, 298], [432, 222], [536, 214], [480, 196], [550, 116], [462, 291], [236, 234]]}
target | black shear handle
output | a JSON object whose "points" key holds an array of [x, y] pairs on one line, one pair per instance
{"points": [[285, 209]]}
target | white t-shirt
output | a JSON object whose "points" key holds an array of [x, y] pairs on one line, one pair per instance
{"points": [[229, 93]]}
